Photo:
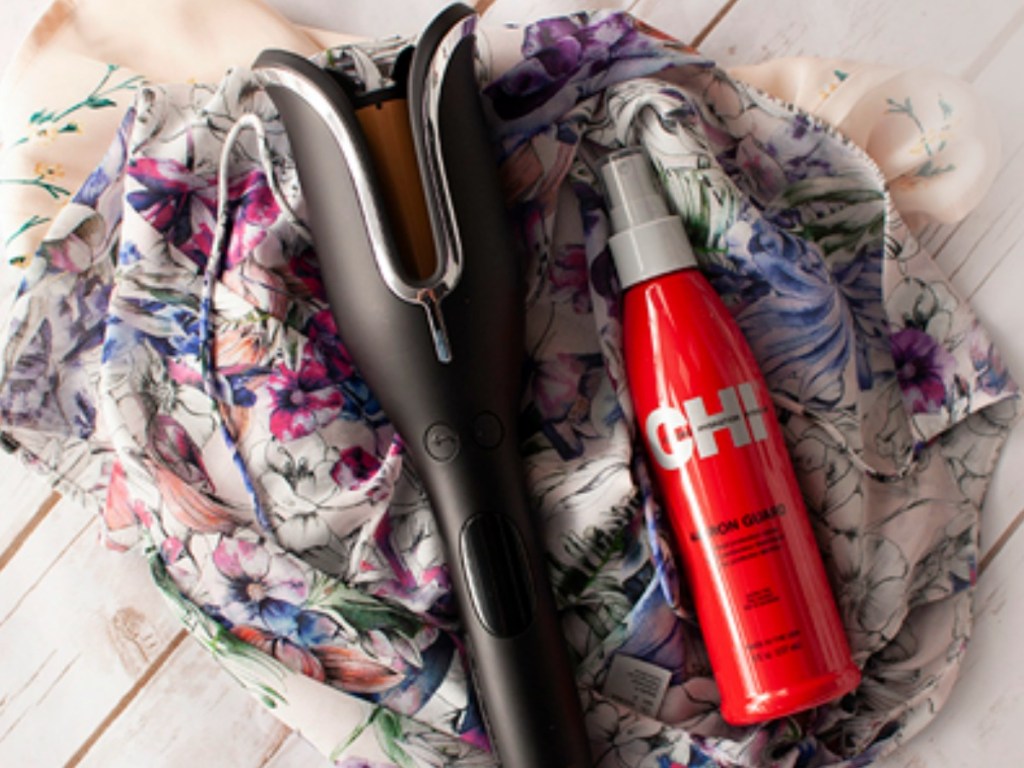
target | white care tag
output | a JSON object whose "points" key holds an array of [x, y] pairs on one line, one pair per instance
{"points": [[637, 684]]}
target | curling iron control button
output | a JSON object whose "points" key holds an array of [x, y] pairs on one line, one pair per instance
{"points": [[497, 573], [441, 442], [487, 430]]}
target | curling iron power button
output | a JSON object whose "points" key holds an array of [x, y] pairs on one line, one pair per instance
{"points": [[441, 442]]}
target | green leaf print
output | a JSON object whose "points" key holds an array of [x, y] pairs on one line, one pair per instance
{"points": [[360, 611], [47, 124], [932, 139]]}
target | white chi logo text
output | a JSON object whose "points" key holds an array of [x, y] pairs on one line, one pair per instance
{"points": [[674, 436]]}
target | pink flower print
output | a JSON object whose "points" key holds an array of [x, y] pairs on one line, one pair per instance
{"points": [[255, 211], [354, 467], [191, 506], [760, 168], [360, 762], [323, 335], [304, 400], [121, 511], [179, 563], [305, 267], [569, 278], [300, 650], [171, 549], [923, 368]]}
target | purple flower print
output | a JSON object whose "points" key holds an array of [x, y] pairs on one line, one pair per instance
{"points": [[176, 202], [563, 390], [923, 368], [570, 58], [257, 585], [262, 601]]}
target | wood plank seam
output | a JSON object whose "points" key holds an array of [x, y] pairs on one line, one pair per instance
{"points": [[482, 6], [995, 47], [973, 71], [1006, 162], [15, 694], [1001, 542], [43, 574], [23, 535], [125, 701], [934, 250], [285, 734], [715, 21], [44, 695]]}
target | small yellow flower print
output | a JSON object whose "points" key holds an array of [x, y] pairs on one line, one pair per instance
{"points": [[931, 141], [838, 77], [44, 134], [49, 171]]}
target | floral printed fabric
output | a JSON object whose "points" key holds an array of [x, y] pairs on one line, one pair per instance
{"points": [[330, 599]]}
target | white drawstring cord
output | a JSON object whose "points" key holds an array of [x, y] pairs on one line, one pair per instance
{"points": [[211, 277], [907, 465]]}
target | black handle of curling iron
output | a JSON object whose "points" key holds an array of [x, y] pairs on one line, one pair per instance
{"points": [[458, 418]]}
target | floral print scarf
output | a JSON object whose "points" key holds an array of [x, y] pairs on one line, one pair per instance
{"points": [[192, 389]]}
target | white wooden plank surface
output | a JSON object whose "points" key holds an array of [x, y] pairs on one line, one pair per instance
{"points": [[686, 20], [945, 34], [79, 627], [989, 245], [155, 731], [363, 19], [26, 491], [98, 654]]}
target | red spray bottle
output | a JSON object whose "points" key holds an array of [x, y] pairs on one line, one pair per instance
{"points": [[762, 599]]}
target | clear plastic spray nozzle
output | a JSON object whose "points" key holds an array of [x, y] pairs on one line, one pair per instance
{"points": [[633, 197], [646, 239]]}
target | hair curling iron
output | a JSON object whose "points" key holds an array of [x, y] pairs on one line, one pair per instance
{"points": [[408, 220]]}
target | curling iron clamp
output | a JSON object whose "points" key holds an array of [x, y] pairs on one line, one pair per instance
{"points": [[408, 220]]}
